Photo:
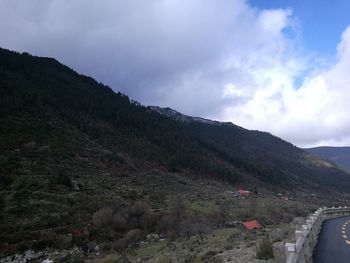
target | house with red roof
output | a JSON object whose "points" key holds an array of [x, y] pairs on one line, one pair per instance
{"points": [[243, 192], [251, 225]]}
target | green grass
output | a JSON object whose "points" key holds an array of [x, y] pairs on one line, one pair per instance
{"points": [[149, 250], [205, 207]]}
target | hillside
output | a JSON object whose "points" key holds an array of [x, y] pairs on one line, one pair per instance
{"points": [[50, 105], [70, 145], [261, 154], [338, 155]]}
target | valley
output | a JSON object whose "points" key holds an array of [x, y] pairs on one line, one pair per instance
{"points": [[85, 169]]}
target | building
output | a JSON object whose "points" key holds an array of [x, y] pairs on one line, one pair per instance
{"points": [[244, 192], [251, 225]]}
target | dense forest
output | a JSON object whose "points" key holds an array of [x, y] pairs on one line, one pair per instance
{"points": [[41, 96]]}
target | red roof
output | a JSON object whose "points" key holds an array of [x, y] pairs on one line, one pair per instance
{"points": [[252, 225], [243, 192]]}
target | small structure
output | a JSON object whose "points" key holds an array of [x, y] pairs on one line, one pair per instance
{"points": [[243, 192], [253, 224]]}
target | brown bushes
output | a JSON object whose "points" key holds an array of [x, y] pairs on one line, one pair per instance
{"points": [[133, 236], [149, 221], [102, 217], [139, 208], [133, 223], [119, 222], [119, 244], [130, 238]]}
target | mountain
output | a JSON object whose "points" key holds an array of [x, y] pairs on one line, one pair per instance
{"points": [[70, 145], [338, 155], [255, 150], [47, 104], [168, 112]]}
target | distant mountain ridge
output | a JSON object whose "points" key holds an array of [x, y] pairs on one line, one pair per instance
{"points": [[168, 112], [338, 155]]}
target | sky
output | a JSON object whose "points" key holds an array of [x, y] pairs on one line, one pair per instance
{"points": [[280, 66]]}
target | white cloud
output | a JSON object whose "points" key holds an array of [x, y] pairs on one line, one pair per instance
{"points": [[220, 59], [316, 113]]}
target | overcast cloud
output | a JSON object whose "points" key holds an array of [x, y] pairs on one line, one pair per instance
{"points": [[217, 59]]}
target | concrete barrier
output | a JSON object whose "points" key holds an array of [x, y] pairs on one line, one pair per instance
{"points": [[306, 238]]}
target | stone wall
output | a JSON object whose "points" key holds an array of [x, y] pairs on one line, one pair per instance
{"points": [[306, 238]]}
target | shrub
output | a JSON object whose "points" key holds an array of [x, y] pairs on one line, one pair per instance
{"points": [[133, 236], [64, 179], [171, 234], [166, 222], [46, 239], [60, 179], [139, 208], [119, 245], [264, 249], [149, 221], [102, 217], [119, 222], [20, 196], [63, 241]]}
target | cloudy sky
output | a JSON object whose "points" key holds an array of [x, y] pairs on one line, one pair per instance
{"points": [[281, 66]]}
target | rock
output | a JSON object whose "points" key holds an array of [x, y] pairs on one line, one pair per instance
{"points": [[75, 185], [97, 248], [19, 259], [91, 246], [30, 255], [153, 238], [171, 246], [13, 259]]}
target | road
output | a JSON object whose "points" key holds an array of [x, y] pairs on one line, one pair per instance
{"points": [[334, 242]]}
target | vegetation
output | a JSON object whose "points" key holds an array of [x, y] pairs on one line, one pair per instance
{"points": [[46, 104], [79, 162], [264, 250]]}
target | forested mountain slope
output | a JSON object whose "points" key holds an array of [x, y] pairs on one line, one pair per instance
{"points": [[49, 104], [70, 145]]}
